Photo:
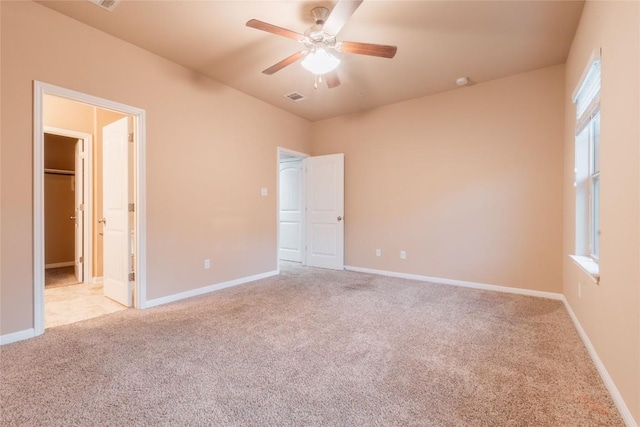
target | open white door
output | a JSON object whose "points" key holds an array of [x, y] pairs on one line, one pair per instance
{"points": [[291, 211], [325, 211], [79, 211], [115, 206]]}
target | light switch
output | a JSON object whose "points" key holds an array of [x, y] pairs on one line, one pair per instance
{"points": [[264, 191]]}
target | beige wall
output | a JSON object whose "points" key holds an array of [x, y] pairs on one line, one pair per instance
{"points": [[209, 151], [65, 114], [59, 237], [59, 152], [610, 312], [59, 200], [467, 182]]}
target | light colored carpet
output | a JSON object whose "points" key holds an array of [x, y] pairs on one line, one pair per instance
{"points": [[60, 276], [312, 347]]}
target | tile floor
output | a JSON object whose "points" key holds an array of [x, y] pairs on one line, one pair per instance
{"points": [[73, 303]]}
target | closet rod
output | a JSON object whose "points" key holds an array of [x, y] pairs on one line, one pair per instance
{"points": [[59, 172]]}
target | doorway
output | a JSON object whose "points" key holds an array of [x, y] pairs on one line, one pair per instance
{"points": [[66, 188], [74, 177], [108, 198], [291, 203], [310, 209]]}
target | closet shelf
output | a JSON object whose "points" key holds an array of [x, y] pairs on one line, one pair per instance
{"points": [[59, 171]]}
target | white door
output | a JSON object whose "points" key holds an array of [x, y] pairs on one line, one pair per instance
{"points": [[115, 209], [291, 211], [79, 210], [325, 211]]}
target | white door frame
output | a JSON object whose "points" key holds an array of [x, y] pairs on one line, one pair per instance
{"points": [[139, 116], [300, 156], [87, 196]]}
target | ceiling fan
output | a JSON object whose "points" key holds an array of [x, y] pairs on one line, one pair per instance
{"points": [[320, 39]]}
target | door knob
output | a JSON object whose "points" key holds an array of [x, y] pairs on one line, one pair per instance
{"points": [[339, 218], [72, 217]]}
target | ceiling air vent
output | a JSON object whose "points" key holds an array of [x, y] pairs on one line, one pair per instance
{"points": [[295, 97], [106, 4]]}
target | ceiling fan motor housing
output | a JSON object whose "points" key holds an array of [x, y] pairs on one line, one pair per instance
{"points": [[319, 15], [314, 34]]}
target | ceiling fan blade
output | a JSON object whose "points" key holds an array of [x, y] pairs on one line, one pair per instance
{"points": [[332, 79], [339, 16], [381, 50], [287, 61], [259, 25]]}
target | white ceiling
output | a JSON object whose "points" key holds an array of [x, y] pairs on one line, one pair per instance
{"points": [[438, 41]]}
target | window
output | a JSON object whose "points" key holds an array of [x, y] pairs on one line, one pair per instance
{"points": [[587, 168], [594, 186], [588, 142]]}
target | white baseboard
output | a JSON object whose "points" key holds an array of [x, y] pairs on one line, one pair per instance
{"points": [[474, 285], [97, 279], [59, 264], [17, 336], [205, 290], [606, 378]]}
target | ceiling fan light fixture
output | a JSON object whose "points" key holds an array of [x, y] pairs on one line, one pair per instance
{"points": [[320, 62]]}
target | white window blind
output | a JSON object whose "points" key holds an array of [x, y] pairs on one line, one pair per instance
{"points": [[588, 95]]}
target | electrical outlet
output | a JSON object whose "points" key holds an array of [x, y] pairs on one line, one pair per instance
{"points": [[378, 252], [403, 255], [579, 289], [207, 264]]}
